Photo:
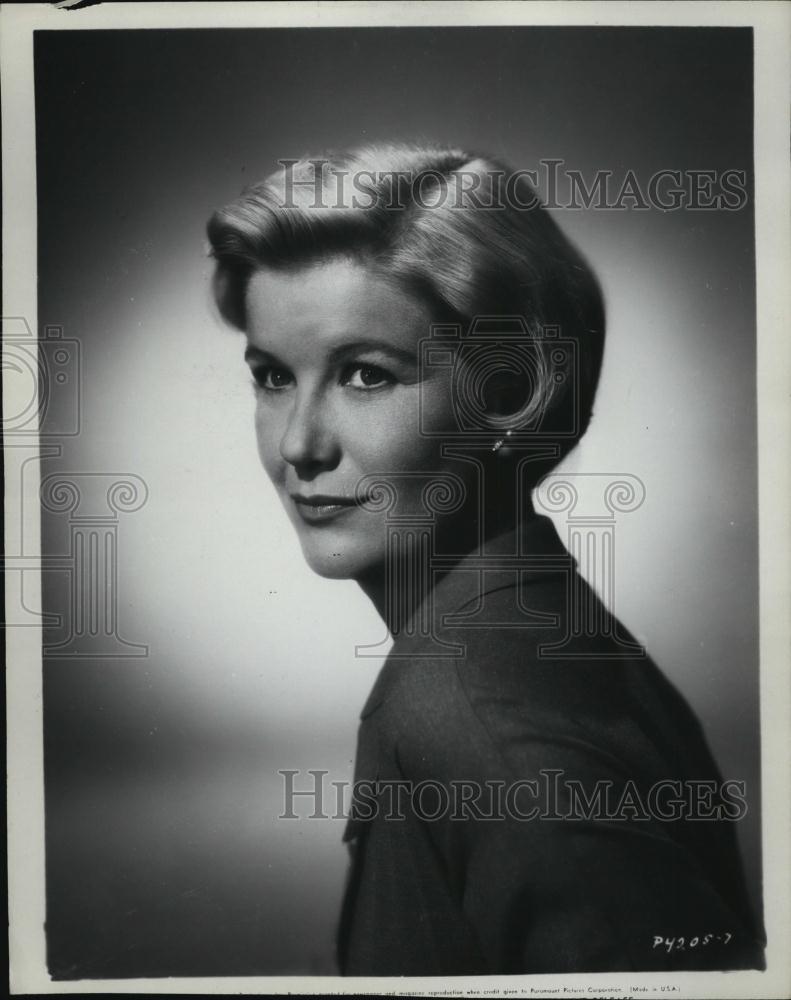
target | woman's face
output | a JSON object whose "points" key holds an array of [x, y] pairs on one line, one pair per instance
{"points": [[334, 352]]}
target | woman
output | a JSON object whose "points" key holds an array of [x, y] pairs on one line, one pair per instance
{"points": [[425, 345]]}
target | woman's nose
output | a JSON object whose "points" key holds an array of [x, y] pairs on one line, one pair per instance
{"points": [[308, 439]]}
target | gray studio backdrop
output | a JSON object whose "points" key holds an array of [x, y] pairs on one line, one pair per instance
{"points": [[209, 657]]}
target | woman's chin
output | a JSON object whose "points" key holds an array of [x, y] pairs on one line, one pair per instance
{"points": [[335, 562]]}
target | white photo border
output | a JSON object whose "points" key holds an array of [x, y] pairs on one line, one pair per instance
{"points": [[771, 23]]}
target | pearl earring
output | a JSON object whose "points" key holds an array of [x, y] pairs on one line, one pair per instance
{"points": [[501, 441]]}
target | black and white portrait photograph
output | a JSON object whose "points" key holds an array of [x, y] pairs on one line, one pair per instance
{"points": [[397, 446]]}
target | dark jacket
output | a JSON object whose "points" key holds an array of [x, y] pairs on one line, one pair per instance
{"points": [[588, 868]]}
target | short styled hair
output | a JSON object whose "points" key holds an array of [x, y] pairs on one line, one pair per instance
{"points": [[461, 231]]}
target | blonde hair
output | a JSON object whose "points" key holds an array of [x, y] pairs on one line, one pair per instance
{"points": [[460, 230]]}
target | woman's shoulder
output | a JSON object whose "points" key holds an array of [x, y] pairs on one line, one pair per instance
{"points": [[511, 695]]}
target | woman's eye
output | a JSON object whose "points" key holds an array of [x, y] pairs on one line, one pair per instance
{"points": [[271, 378], [367, 377]]}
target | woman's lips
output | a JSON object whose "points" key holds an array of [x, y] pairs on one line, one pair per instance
{"points": [[319, 507]]}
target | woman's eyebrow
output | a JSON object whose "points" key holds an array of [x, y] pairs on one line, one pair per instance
{"points": [[342, 351], [252, 353], [351, 348]]}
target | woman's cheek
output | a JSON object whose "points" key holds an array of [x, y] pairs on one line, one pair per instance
{"points": [[395, 448], [423, 412], [437, 410], [373, 431], [268, 441]]}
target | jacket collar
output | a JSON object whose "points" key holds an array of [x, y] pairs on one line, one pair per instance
{"points": [[534, 547]]}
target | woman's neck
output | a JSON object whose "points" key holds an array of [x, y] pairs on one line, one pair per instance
{"points": [[452, 541]]}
